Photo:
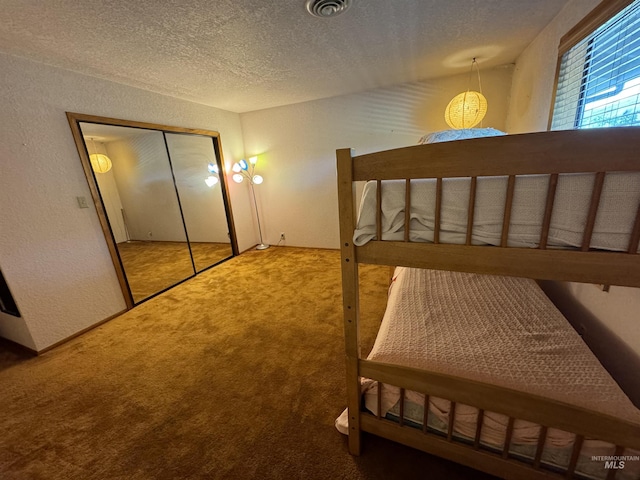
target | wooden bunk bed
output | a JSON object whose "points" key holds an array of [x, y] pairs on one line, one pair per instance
{"points": [[601, 152]]}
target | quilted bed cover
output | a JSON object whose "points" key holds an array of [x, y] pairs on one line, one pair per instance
{"points": [[498, 330]]}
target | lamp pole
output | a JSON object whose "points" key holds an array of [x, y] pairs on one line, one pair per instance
{"points": [[246, 170], [262, 245]]}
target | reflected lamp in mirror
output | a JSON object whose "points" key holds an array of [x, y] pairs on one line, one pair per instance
{"points": [[246, 171], [467, 109], [100, 162], [212, 179]]}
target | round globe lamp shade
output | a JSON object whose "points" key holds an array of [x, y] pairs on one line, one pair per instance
{"points": [[100, 163], [466, 110]]}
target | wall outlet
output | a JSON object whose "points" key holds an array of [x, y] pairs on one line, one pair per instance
{"points": [[282, 239], [150, 234]]}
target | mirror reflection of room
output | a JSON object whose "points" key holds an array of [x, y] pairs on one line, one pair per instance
{"points": [[196, 176], [167, 217]]}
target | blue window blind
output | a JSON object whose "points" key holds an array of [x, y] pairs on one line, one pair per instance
{"points": [[599, 78]]}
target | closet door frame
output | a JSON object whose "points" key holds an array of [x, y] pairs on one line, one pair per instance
{"points": [[74, 122]]}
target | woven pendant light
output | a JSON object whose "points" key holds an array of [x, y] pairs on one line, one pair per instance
{"points": [[467, 109]]}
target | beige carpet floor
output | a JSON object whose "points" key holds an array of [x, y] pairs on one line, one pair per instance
{"points": [[237, 373]]}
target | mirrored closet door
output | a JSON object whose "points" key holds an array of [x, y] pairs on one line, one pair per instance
{"points": [[162, 203], [203, 207]]}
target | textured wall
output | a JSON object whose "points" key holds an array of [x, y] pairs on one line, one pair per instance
{"points": [[298, 145], [53, 254], [529, 109], [534, 75]]}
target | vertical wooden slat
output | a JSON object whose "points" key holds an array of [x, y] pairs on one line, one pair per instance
{"points": [[548, 210], [471, 209], [476, 442], [452, 418], [507, 438], [635, 234], [425, 415], [350, 298], [407, 209], [611, 474], [379, 400], [378, 210], [542, 437], [436, 225], [577, 446], [507, 210], [593, 210], [401, 407]]}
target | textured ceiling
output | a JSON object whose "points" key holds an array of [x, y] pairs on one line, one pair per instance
{"points": [[244, 55]]}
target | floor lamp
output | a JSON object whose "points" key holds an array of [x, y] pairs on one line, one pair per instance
{"points": [[243, 170]]}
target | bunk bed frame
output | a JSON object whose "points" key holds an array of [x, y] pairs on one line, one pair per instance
{"points": [[550, 153]]}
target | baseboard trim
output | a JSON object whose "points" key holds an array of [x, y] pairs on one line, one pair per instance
{"points": [[77, 334], [291, 246]]}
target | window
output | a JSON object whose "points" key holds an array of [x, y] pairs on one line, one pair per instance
{"points": [[599, 76]]}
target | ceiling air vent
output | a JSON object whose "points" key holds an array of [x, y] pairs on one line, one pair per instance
{"points": [[327, 8]]}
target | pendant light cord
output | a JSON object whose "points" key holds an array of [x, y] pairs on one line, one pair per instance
{"points": [[474, 62], [478, 69]]}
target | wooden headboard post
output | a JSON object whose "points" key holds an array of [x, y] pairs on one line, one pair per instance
{"points": [[350, 297]]}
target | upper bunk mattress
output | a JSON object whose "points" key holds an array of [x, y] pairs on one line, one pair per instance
{"points": [[614, 223], [498, 330]]}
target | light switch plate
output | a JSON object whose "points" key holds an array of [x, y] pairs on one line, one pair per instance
{"points": [[82, 202]]}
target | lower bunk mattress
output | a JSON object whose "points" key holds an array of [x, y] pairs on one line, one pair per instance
{"points": [[502, 331]]}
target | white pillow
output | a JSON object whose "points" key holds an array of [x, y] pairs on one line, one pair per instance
{"points": [[462, 134]]}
